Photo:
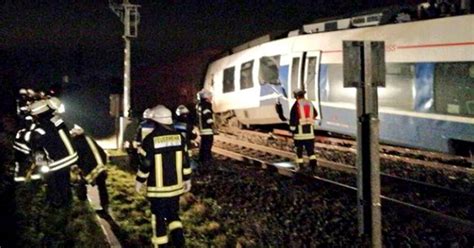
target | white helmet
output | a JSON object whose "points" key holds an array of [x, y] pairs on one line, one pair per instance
{"points": [[205, 94], [161, 114], [182, 110]]}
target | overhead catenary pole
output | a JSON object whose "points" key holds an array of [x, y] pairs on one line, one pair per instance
{"points": [[364, 68], [130, 18]]}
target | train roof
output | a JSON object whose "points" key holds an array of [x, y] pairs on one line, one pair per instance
{"points": [[374, 17]]}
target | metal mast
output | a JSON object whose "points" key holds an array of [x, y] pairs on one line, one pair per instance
{"points": [[130, 17]]}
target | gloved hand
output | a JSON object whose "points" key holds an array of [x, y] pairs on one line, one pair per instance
{"points": [[187, 186], [138, 186]]}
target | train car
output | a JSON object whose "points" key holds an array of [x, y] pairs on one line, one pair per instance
{"points": [[428, 101]]}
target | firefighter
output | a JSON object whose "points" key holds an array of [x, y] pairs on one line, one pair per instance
{"points": [[184, 125], [166, 174], [144, 128], [51, 136], [91, 163], [302, 116], [206, 122]]}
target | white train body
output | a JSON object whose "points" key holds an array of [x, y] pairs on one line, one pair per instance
{"points": [[419, 53]]}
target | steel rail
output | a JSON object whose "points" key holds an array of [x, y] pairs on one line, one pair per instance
{"points": [[450, 221]]}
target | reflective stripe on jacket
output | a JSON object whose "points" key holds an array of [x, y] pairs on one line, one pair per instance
{"points": [[302, 117]]}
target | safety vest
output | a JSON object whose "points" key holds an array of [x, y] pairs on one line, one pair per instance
{"points": [[163, 165], [302, 120]]}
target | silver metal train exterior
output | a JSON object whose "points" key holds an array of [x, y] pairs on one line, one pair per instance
{"points": [[428, 101]]}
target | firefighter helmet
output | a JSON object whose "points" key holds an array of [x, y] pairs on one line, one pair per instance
{"points": [[181, 110], [161, 114]]}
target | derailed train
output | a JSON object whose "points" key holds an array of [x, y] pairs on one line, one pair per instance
{"points": [[428, 101]]}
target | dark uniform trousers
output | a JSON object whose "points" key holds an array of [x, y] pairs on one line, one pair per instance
{"points": [[165, 216], [58, 190], [205, 150], [309, 146]]}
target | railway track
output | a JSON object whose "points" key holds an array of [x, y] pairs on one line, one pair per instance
{"points": [[435, 202], [416, 156], [441, 169]]}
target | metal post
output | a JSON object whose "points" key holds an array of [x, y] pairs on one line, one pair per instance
{"points": [[129, 15], [364, 68]]}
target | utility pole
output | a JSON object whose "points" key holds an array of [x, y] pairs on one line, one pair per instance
{"points": [[130, 17], [364, 68]]}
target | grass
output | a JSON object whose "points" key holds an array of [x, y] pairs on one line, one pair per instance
{"points": [[39, 225], [132, 213]]}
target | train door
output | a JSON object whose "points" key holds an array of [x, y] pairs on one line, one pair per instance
{"points": [[295, 74], [311, 78], [292, 80]]}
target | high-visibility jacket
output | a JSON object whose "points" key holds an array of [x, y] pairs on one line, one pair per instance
{"points": [[302, 117], [92, 158], [205, 117], [163, 165], [52, 136]]}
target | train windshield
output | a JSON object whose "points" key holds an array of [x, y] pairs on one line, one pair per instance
{"points": [[268, 73]]}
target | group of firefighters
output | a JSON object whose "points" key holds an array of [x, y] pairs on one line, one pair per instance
{"points": [[46, 150]]}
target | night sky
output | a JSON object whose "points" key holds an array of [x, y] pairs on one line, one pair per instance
{"points": [[78, 35]]}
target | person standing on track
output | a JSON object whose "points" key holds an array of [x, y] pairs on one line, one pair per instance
{"points": [[302, 116]]}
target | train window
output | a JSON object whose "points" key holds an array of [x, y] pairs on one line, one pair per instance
{"points": [[268, 72], [310, 78], [398, 92], [228, 84], [246, 79], [454, 88], [295, 68], [337, 92]]}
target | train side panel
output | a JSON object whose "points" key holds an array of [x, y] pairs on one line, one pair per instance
{"points": [[413, 109]]}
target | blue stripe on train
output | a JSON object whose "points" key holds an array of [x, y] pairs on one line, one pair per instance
{"points": [[401, 130]]}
